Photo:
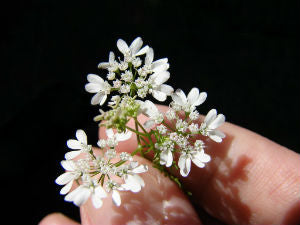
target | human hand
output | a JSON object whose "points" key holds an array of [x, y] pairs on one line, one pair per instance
{"points": [[250, 180]]}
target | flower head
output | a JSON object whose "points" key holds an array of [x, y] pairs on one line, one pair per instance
{"points": [[100, 87], [188, 103], [210, 123], [80, 145]]}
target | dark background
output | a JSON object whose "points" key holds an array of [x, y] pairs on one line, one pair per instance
{"points": [[243, 53]]}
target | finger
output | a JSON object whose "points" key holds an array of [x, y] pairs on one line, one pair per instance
{"points": [[250, 179], [159, 202], [57, 219]]}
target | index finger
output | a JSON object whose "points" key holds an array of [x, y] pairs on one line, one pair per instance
{"points": [[250, 179]]}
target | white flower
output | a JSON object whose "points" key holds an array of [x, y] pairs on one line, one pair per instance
{"points": [[99, 86], [156, 66], [194, 115], [134, 182], [125, 88], [133, 50], [210, 123], [188, 103], [67, 178], [127, 76], [114, 138], [199, 158], [125, 156], [171, 114], [181, 125], [193, 127], [166, 156], [111, 75], [114, 187], [117, 83], [81, 194], [149, 109], [111, 65], [162, 129], [80, 145], [158, 89]]}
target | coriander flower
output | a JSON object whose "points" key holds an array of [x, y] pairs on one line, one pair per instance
{"points": [[112, 186], [67, 178], [80, 145], [158, 89], [114, 138], [100, 87], [166, 156], [156, 66], [133, 50], [82, 193], [111, 65], [198, 157], [149, 109], [188, 103], [210, 123], [133, 182]]}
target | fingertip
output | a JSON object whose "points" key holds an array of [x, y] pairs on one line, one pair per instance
{"points": [[57, 219]]}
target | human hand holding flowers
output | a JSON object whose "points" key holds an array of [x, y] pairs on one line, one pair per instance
{"points": [[166, 143]]}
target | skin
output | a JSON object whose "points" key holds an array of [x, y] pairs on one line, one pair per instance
{"points": [[250, 180]]}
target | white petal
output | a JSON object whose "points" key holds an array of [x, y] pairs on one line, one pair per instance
{"points": [[81, 136], [72, 154], [116, 198], [202, 97], [94, 78], [65, 178], [93, 87], [216, 135], [149, 123], [217, 121], [74, 144], [103, 99], [200, 158], [193, 95], [68, 165], [160, 78], [123, 136], [161, 68], [184, 164], [97, 202], [159, 63], [98, 98], [167, 89], [82, 196], [136, 45], [103, 65], [149, 56], [122, 46], [109, 133], [163, 157], [170, 159], [158, 95], [143, 51], [99, 191], [72, 195], [111, 57], [66, 188], [140, 169], [179, 97], [149, 108], [211, 115]]}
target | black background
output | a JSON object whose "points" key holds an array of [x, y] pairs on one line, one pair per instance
{"points": [[244, 54]]}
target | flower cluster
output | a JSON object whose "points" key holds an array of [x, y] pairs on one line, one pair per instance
{"points": [[98, 173], [175, 138]]}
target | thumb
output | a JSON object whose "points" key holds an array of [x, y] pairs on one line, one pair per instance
{"points": [[159, 202]]}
